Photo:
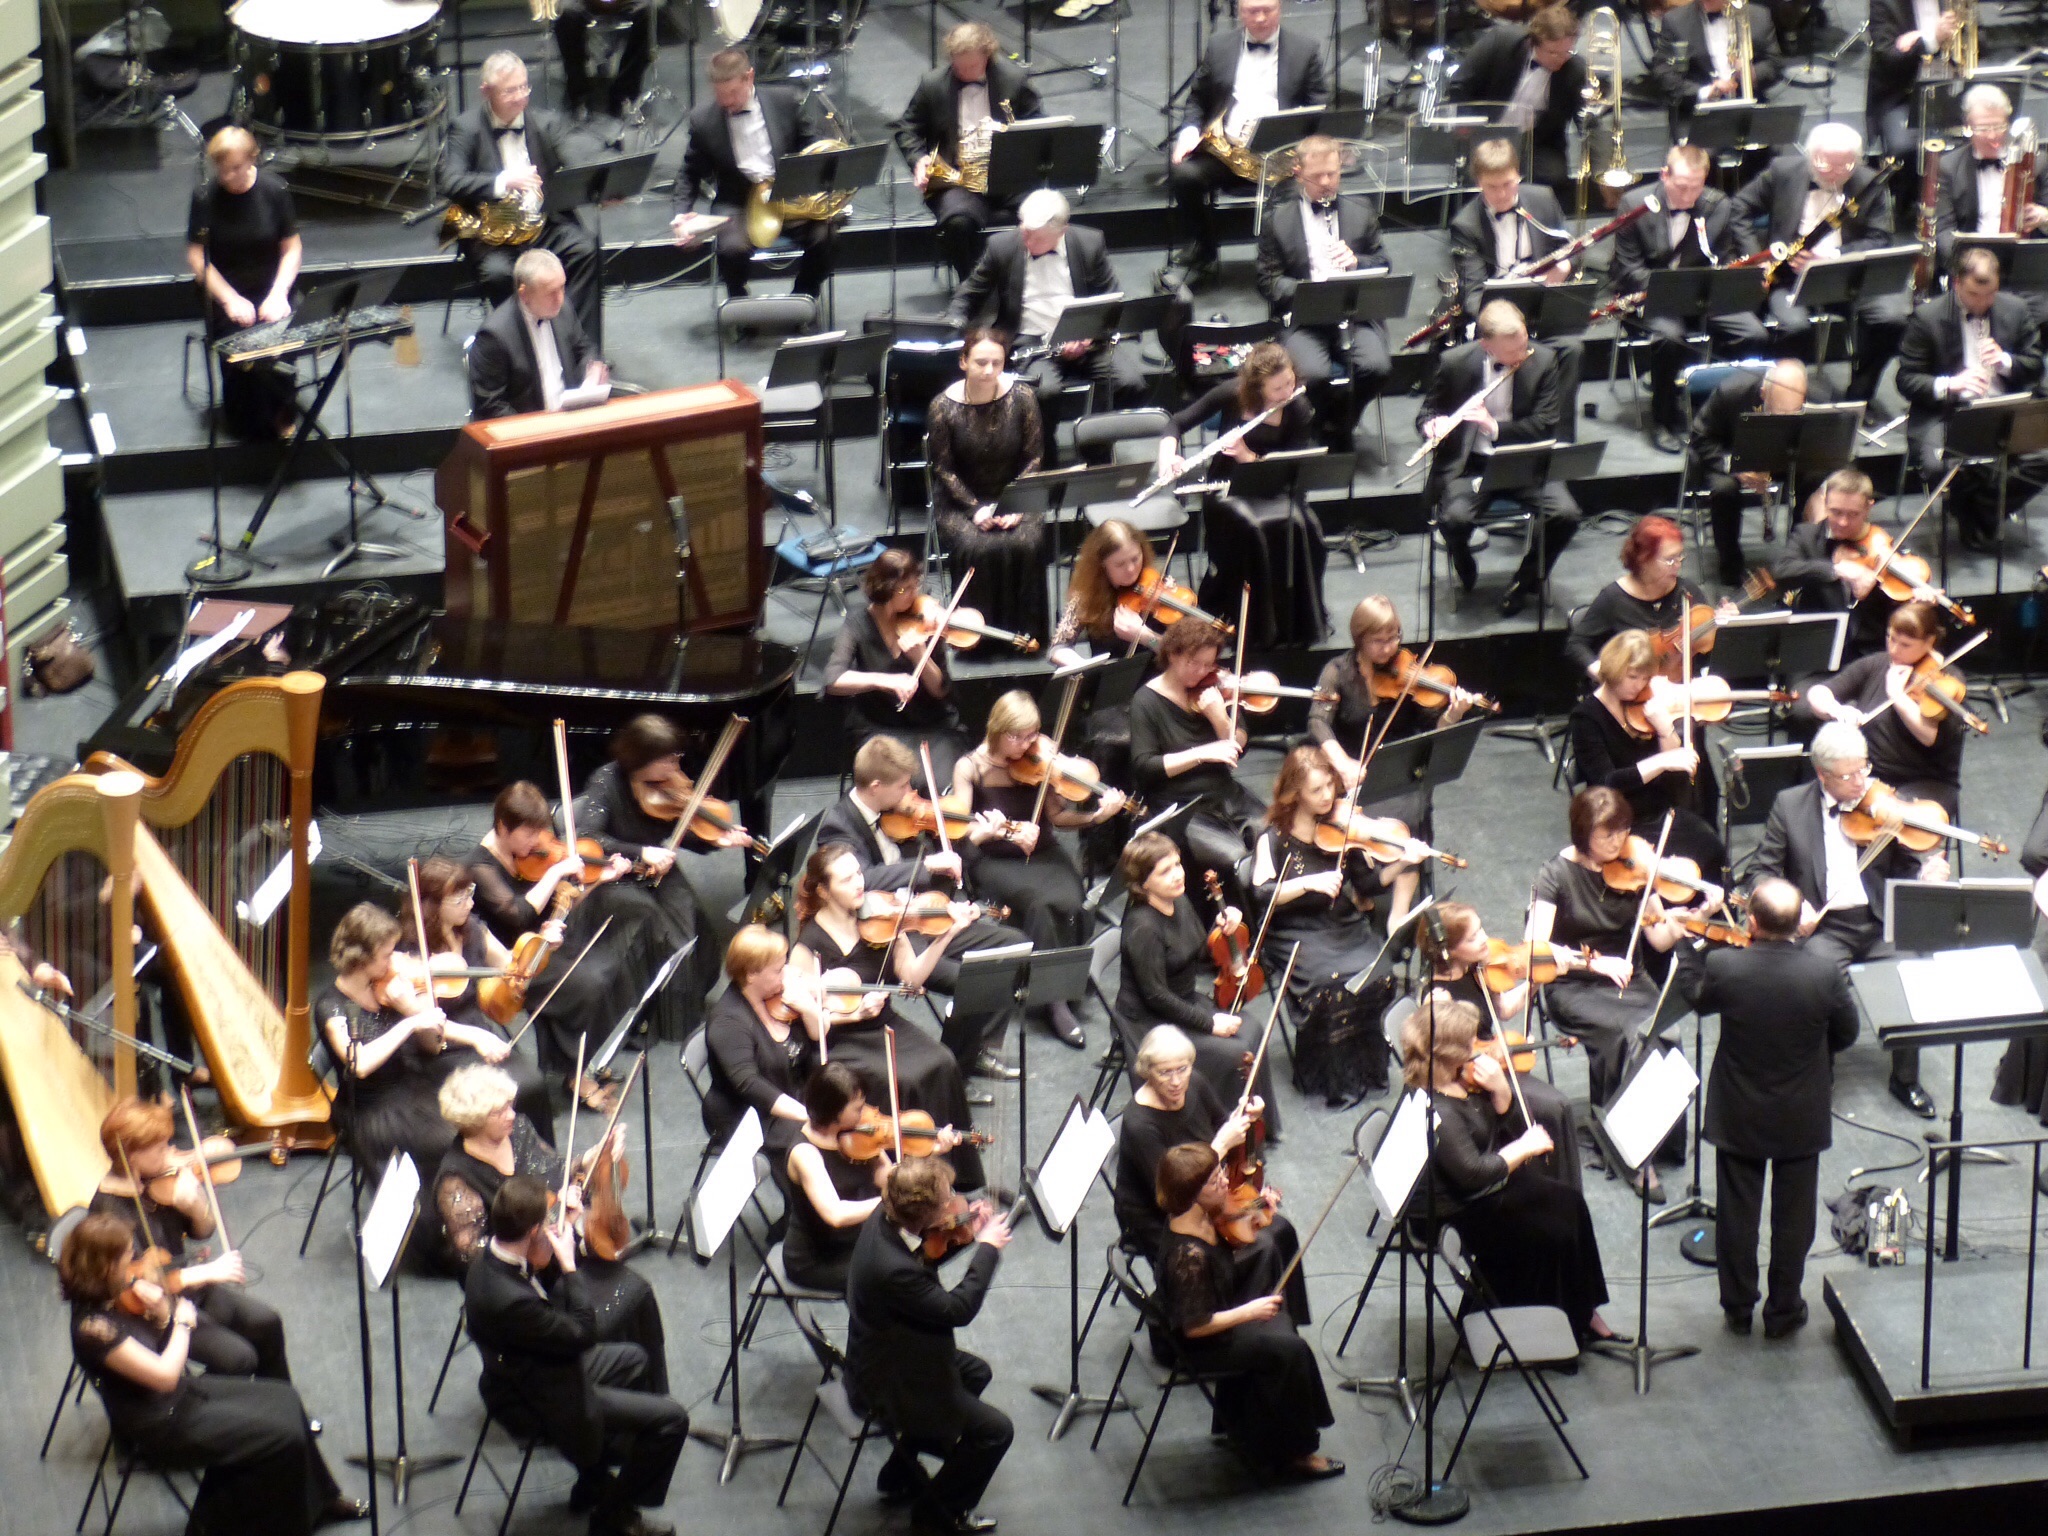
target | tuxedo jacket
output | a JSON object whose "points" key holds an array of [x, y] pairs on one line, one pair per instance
{"points": [[1647, 243], [1768, 209], [998, 278], [931, 122], [1494, 67], [900, 1320], [844, 823], [504, 374], [532, 1348], [1472, 244], [1792, 848], [1955, 198], [1892, 74], [1785, 1012], [470, 162], [1682, 64], [1535, 404], [709, 159], [1933, 348], [1300, 76], [1283, 246]]}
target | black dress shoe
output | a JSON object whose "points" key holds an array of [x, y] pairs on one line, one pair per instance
{"points": [[640, 1523], [1781, 1327], [1066, 1028], [1914, 1097], [342, 1509], [970, 1524], [990, 1065], [1738, 1319], [1515, 599], [1331, 1467]]}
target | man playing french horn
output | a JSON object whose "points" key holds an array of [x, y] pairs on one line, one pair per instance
{"points": [[945, 134]]}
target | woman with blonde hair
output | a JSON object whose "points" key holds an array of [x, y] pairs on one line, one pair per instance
{"points": [[757, 1060]]}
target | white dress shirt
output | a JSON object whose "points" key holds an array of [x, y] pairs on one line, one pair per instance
{"points": [[1256, 92], [1048, 290], [1510, 237], [547, 358], [751, 150], [1976, 331], [1718, 61], [1844, 881], [1500, 405], [1990, 194], [1926, 17], [973, 106], [1322, 232], [1819, 204], [882, 839], [1531, 96], [511, 139]]}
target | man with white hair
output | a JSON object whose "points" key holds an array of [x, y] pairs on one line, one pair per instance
{"points": [[1971, 197], [531, 351], [1841, 206], [1840, 903], [1025, 279], [500, 149]]}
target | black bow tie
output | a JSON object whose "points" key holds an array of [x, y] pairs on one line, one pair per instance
{"points": [[1043, 255], [1831, 808], [1990, 165], [1507, 213], [1328, 205], [517, 125], [1252, 47]]}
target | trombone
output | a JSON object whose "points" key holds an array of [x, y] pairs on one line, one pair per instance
{"points": [[1742, 50], [1601, 45]]}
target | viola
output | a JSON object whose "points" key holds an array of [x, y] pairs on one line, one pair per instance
{"points": [[1154, 591], [1247, 1211], [668, 798], [607, 1230], [1678, 879], [1513, 1048], [915, 815], [959, 1224], [1940, 692], [221, 1157], [884, 914], [1539, 963], [1383, 840], [1700, 926], [1707, 699], [1073, 778], [877, 1134], [1239, 977], [549, 850], [1920, 825], [842, 994], [964, 630], [503, 993], [1431, 687], [1900, 576], [1260, 693], [151, 1267]]}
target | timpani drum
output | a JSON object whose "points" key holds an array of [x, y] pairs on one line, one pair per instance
{"points": [[339, 70]]}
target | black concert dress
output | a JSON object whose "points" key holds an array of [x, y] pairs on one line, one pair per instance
{"points": [[928, 1078], [814, 1252], [860, 647], [1605, 753], [243, 234], [975, 452], [1355, 717], [1896, 755], [750, 1068], [1581, 1002], [1614, 608], [1043, 892], [1227, 815], [528, 1080], [1548, 1105], [396, 1108]]}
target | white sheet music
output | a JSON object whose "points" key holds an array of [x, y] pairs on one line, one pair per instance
{"points": [[727, 1187], [195, 656], [277, 885], [390, 1218], [1985, 983], [1063, 1180], [1401, 1157], [1643, 1116]]}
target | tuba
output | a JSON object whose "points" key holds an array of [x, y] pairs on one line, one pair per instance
{"points": [[1742, 50], [1601, 45], [2021, 147], [765, 217]]}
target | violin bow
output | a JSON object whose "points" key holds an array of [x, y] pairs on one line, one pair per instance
{"points": [[700, 791], [1244, 614], [1059, 736], [611, 1121], [931, 783], [1251, 1077], [895, 1106], [888, 952], [569, 1145], [562, 776], [1151, 607], [1265, 924], [1329, 1205], [937, 636], [143, 1234], [220, 1222], [419, 928], [1649, 889], [535, 1013]]}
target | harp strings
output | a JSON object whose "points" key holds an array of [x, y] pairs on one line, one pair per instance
{"points": [[229, 848]]}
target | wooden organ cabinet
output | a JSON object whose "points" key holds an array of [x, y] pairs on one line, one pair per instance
{"points": [[565, 518]]}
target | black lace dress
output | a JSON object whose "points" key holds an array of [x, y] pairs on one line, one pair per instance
{"points": [[396, 1108], [1274, 1409], [465, 1185], [975, 452]]}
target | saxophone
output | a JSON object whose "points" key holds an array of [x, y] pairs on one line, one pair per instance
{"points": [[971, 174]]}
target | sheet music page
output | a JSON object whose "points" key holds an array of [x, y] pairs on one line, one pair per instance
{"points": [[727, 1187], [1077, 1154], [1985, 983], [390, 1218], [1642, 1117], [195, 656], [583, 396], [1401, 1156]]}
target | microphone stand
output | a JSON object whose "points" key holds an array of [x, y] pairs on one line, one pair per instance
{"points": [[220, 566]]}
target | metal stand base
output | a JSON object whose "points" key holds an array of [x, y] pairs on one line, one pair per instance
{"points": [[1440, 1505], [348, 551], [1697, 1245], [1074, 1404], [403, 1469], [736, 1444], [220, 568], [1396, 1387], [1642, 1356], [1813, 74]]}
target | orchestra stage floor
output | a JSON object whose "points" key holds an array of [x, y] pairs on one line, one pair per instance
{"points": [[1749, 1435]]}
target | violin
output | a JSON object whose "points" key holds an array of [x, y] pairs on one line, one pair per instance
{"points": [[1940, 692], [1678, 879], [1920, 825], [915, 815], [1154, 591], [842, 994], [667, 799], [1708, 700], [503, 993], [607, 1230], [959, 1224], [1239, 977], [1514, 1049], [884, 914], [150, 1267], [549, 850], [1900, 576], [1432, 687], [1073, 778], [1246, 1209], [1382, 839], [877, 1133], [1539, 963], [964, 630], [1699, 626], [1700, 926], [221, 1157]]}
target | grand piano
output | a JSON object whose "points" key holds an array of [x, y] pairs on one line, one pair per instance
{"points": [[422, 708]]}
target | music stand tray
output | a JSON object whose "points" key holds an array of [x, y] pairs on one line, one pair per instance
{"points": [[1448, 142], [1526, 466], [1283, 130], [2006, 425], [1420, 762], [1550, 309], [1815, 439], [1737, 125], [1927, 916], [1692, 294], [596, 181], [1293, 475], [1781, 645], [1358, 297], [1081, 486], [1857, 275], [1109, 317], [829, 358], [1022, 157], [828, 170]]}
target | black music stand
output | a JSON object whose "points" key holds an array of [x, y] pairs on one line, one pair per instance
{"points": [[1529, 467], [1023, 157], [593, 184], [1693, 294], [1052, 491], [1924, 917], [1779, 647], [1293, 475], [1997, 430], [1351, 298], [1277, 131], [1033, 978], [1734, 126], [1058, 1187], [1424, 762], [1834, 284], [631, 1019], [1881, 995], [827, 171], [764, 902], [1938, 104], [1796, 447], [824, 362], [2022, 264], [1107, 319], [1448, 142], [388, 1262], [1548, 309]]}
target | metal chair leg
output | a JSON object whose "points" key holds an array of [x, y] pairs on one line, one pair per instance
{"points": [[796, 1456], [518, 1482], [63, 1392], [1152, 1430], [326, 1178], [475, 1455], [92, 1490], [448, 1357], [860, 1444], [1115, 1387]]}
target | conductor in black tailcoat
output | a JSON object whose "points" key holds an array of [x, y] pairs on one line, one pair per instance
{"points": [[1785, 1012]]}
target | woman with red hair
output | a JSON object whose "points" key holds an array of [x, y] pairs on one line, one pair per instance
{"points": [[1650, 594]]}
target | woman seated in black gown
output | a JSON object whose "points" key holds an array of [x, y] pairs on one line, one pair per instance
{"points": [[1109, 564], [385, 1040], [1654, 769], [833, 1195], [458, 940], [1183, 747], [1275, 543], [757, 1060], [1650, 594], [1455, 948], [870, 668], [1530, 1235], [1273, 1407], [248, 1438], [1174, 1105], [828, 941], [243, 245], [1169, 976], [496, 1142], [982, 433], [1014, 859], [1921, 758]]}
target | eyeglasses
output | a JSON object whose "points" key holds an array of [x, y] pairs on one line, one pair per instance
{"points": [[1672, 562]]}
